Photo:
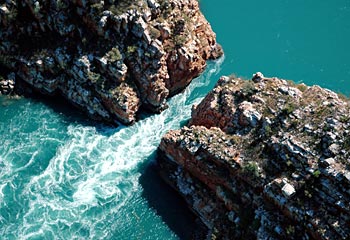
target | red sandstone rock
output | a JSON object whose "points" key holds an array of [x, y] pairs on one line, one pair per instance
{"points": [[264, 159], [85, 50]]}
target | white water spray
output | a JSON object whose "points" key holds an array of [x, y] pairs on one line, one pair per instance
{"points": [[93, 173]]}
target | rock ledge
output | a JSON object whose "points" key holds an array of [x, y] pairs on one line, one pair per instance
{"points": [[264, 159], [109, 58]]}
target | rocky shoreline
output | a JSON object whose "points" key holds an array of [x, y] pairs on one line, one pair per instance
{"points": [[259, 159], [264, 159], [108, 58]]}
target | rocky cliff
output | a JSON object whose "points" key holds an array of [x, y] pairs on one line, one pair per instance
{"points": [[264, 159], [109, 58]]}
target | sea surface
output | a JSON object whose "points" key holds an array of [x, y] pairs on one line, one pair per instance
{"points": [[65, 177]]}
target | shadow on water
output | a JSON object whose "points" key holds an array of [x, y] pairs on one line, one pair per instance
{"points": [[161, 197], [166, 201], [61, 106], [71, 114]]}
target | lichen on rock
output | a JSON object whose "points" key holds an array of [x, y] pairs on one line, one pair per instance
{"points": [[264, 159], [84, 50]]}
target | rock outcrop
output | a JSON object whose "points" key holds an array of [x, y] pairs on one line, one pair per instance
{"points": [[264, 159], [7, 85], [109, 58]]}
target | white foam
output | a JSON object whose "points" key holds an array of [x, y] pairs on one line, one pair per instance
{"points": [[93, 169]]}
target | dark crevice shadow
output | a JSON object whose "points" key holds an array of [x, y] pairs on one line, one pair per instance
{"points": [[169, 205]]}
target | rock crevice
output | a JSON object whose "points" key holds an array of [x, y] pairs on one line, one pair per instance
{"points": [[264, 159], [109, 58]]}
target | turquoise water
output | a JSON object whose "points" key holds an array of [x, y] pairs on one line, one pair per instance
{"points": [[65, 177], [304, 40]]}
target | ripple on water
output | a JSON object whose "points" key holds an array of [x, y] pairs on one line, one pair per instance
{"points": [[65, 180]]}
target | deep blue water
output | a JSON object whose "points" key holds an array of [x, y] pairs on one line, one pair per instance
{"points": [[65, 177]]}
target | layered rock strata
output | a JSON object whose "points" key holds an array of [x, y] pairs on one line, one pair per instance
{"points": [[264, 159], [110, 58]]}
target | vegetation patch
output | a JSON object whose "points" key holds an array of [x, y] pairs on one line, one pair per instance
{"points": [[248, 89], [289, 108], [114, 55], [251, 169]]}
